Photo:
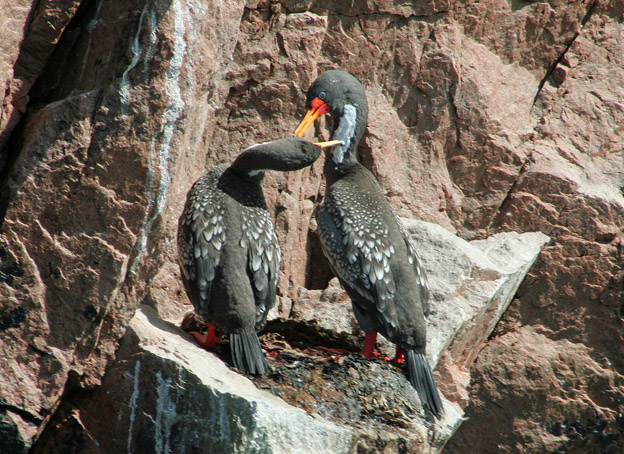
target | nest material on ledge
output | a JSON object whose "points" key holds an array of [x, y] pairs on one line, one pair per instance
{"points": [[323, 373]]}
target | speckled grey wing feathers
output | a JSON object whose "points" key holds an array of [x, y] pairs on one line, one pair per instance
{"points": [[359, 247], [364, 240], [201, 237], [414, 259], [359, 257], [227, 247], [264, 256]]}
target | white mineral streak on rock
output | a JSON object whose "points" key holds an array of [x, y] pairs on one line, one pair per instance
{"points": [[169, 121], [166, 414], [133, 404], [247, 419], [135, 52], [90, 28]]}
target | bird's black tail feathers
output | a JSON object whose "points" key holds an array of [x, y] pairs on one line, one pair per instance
{"points": [[247, 353], [421, 378]]}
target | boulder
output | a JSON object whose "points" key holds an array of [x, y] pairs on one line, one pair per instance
{"points": [[164, 394], [167, 393], [486, 118]]}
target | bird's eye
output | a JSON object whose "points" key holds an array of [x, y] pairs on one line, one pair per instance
{"points": [[322, 95]]}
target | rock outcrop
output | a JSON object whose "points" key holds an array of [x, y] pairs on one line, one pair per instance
{"points": [[163, 391], [486, 118], [165, 395]]}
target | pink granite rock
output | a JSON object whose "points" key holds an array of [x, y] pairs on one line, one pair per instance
{"points": [[485, 117]]}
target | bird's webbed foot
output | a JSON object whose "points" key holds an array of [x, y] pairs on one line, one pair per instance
{"points": [[208, 339]]}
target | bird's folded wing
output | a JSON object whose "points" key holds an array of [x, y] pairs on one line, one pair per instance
{"points": [[264, 257], [414, 259], [357, 246], [201, 237]]}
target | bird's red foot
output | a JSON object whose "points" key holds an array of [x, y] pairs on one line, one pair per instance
{"points": [[207, 340], [398, 357], [369, 344], [378, 355]]}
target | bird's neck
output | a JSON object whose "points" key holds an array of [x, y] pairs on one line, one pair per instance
{"points": [[254, 161], [282, 155], [334, 172]]}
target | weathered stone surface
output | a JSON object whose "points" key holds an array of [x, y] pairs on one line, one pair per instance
{"points": [[164, 394], [558, 370], [89, 179], [533, 34], [553, 368], [471, 286], [28, 39], [486, 117]]}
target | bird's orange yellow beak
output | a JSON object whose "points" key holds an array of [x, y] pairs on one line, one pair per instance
{"points": [[329, 143], [318, 109]]}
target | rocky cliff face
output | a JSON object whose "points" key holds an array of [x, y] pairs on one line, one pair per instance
{"points": [[486, 118]]}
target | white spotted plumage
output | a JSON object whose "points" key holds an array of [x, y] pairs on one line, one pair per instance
{"points": [[263, 250], [359, 248], [414, 259], [227, 248], [365, 242], [202, 237]]}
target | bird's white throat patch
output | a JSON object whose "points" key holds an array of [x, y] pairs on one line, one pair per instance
{"points": [[344, 132]]}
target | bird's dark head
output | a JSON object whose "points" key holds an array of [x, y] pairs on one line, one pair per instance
{"points": [[283, 154], [343, 97]]}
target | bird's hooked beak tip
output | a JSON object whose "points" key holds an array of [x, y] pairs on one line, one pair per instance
{"points": [[317, 109], [307, 121], [329, 143]]}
